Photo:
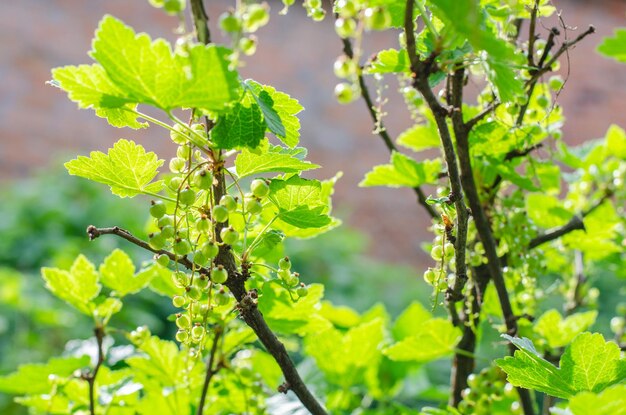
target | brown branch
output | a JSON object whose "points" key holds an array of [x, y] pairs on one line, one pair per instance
{"points": [[236, 281], [91, 376], [576, 223], [247, 308], [531, 34], [564, 48], [382, 131], [210, 370]]}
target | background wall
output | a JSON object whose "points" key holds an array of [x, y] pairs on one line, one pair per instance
{"points": [[39, 126]]}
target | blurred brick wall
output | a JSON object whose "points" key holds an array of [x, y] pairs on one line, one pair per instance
{"points": [[295, 55]]}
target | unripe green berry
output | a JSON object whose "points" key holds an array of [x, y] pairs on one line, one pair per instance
{"points": [[162, 260], [377, 18], [166, 220], [345, 27], [229, 23], [220, 214], [156, 241], [183, 321], [255, 17], [292, 280], [178, 165], [201, 282], [448, 250], [344, 67], [180, 279], [174, 183], [284, 274], [248, 45], [167, 232], [284, 263], [254, 206], [429, 276], [193, 292], [317, 14], [259, 188], [617, 324], [221, 298], [346, 8], [197, 332], [556, 83], [228, 202], [179, 135], [187, 196], [219, 275], [204, 224], [157, 209], [210, 249], [182, 336], [543, 101], [344, 92], [182, 247], [200, 259], [229, 235], [436, 253], [203, 179], [302, 290], [179, 301]]}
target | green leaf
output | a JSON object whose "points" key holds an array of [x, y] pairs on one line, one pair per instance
{"points": [[279, 112], [275, 159], [559, 332], [300, 202], [345, 357], [467, 20], [615, 47], [77, 287], [420, 137], [118, 273], [104, 309], [33, 378], [389, 61], [616, 140], [611, 401], [149, 73], [287, 316], [433, 340], [127, 169], [121, 117], [243, 126], [588, 364], [546, 211], [403, 171], [410, 320], [162, 363]]}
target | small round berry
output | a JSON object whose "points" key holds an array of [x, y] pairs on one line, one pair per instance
{"points": [[259, 188], [229, 23], [302, 290], [180, 279], [248, 45], [220, 213], [167, 232], [179, 134], [229, 235], [221, 297], [448, 250], [174, 183], [182, 336], [255, 17], [202, 179], [187, 196], [163, 260], [254, 206], [177, 165], [183, 321], [228, 202], [157, 209], [429, 276], [204, 224], [210, 249], [437, 252], [182, 247], [200, 259], [156, 241], [292, 280], [344, 92], [166, 220], [284, 263], [345, 27], [197, 332], [377, 18], [201, 282], [193, 292], [179, 301], [219, 275]]}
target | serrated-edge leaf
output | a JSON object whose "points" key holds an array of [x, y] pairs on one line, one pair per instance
{"points": [[127, 169], [273, 160]]}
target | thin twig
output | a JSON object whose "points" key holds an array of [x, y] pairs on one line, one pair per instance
{"points": [[91, 376], [210, 370], [381, 130]]}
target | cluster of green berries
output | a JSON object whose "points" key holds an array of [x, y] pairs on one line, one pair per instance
{"points": [[443, 255], [291, 279], [240, 24], [488, 393], [169, 6]]}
